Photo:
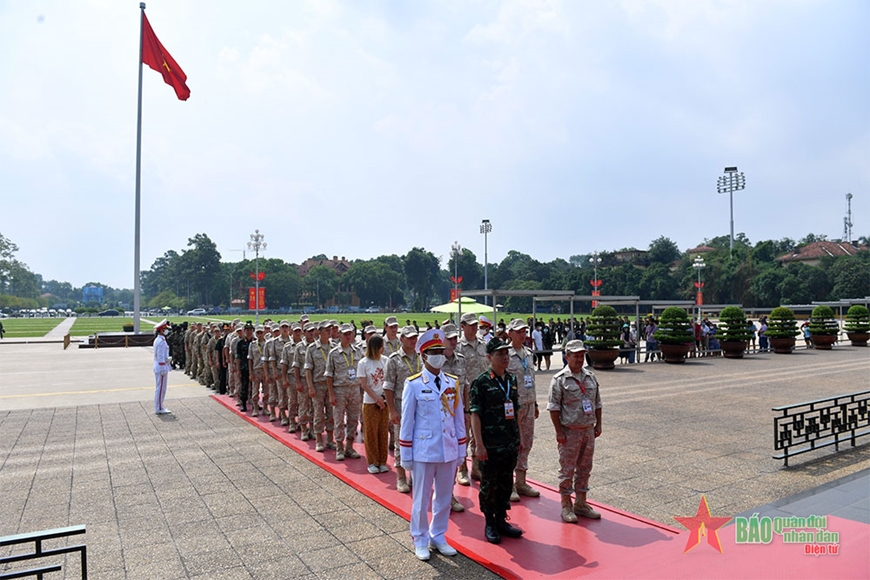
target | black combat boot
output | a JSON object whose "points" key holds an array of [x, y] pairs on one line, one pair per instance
{"points": [[491, 530], [505, 528]]}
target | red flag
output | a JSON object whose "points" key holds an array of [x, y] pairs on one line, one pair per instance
{"points": [[155, 56]]}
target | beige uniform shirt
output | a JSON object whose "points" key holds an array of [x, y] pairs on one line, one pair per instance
{"points": [[397, 370], [567, 395], [475, 358], [315, 359], [522, 366], [341, 365]]}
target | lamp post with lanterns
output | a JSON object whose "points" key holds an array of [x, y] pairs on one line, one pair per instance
{"points": [[257, 244], [595, 260], [485, 228], [698, 264]]}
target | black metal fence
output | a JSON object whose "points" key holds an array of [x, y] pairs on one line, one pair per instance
{"points": [[37, 538], [817, 424]]}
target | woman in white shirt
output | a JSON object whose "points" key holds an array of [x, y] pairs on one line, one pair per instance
{"points": [[376, 416]]}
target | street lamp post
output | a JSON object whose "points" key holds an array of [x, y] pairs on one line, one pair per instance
{"points": [[698, 264], [595, 260], [257, 244], [456, 249], [485, 228], [729, 183]]}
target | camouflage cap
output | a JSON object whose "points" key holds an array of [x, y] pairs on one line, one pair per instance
{"points": [[468, 318], [409, 332], [450, 330], [391, 321], [284, 323], [369, 329], [346, 328], [517, 324], [309, 326], [497, 344], [575, 346]]}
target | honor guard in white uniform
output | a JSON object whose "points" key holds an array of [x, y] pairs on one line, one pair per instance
{"points": [[432, 440], [161, 366]]}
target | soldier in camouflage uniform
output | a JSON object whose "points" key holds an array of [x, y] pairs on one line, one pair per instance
{"points": [[392, 344], [236, 333], [214, 357], [494, 405], [256, 362], [188, 349], [473, 349], [344, 392], [522, 366], [279, 342], [574, 404], [398, 368], [315, 365], [303, 399]]}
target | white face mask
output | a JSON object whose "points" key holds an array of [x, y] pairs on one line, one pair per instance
{"points": [[436, 361]]}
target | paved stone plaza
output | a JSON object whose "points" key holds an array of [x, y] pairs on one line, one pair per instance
{"points": [[203, 494]]}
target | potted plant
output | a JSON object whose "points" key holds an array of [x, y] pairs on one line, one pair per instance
{"points": [[823, 327], [781, 330], [128, 328], [604, 328], [675, 334], [858, 325], [733, 332]]}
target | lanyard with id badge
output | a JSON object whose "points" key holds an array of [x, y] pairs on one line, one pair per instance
{"points": [[527, 374], [508, 404], [587, 404], [351, 369]]}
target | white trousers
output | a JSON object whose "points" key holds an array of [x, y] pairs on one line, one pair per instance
{"points": [[159, 390], [426, 476]]}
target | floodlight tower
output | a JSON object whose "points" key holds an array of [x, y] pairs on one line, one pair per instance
{"points": [[729, 183], [847, 221]]}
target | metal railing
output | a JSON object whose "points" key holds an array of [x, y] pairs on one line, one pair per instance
{"points": [[37, 538], [816, 424]]}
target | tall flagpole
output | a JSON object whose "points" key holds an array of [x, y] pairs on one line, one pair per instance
{"points": [[136, 274]]}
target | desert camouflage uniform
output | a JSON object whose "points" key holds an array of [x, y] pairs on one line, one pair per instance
{"points": [[256, 360], [303, 399], [575, 455], [315, 360], [522, 366], [475, 363], [341, 365]]}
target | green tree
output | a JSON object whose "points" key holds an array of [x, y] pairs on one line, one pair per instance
{"points": [[663, 250], [321, 283], [657, 283], [282, 283], [201, 266], [850, 276], [468, 269], [374, 282], [421, 271]]}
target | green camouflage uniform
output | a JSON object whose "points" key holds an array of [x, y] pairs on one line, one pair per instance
{"points": [[501, 438]]}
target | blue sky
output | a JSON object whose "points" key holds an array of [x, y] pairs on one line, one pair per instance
{"points": [[367, 128]]}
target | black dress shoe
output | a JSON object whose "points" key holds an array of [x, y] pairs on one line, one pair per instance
{"points": [[508, 530], [492, 535], [243, 409]]}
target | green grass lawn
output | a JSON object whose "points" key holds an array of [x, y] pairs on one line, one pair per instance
{"points": [[88, 326], [28, 327]]}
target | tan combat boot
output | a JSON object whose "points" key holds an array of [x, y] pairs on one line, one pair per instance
{"points": [[349, 451], [462, 474], [330, 442], [455, 506], [401, 482], [567, 512], [581, 508], [305, 435], [515, 497], [318, 446], [524, 488]]}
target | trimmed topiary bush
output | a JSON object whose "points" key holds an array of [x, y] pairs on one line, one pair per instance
{"points": [[605, 328], [675, 327], [781, 323], [732, 325], [822, 321], [858, 319]]}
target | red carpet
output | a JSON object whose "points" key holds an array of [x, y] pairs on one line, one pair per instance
{"points": [[620, 545]]}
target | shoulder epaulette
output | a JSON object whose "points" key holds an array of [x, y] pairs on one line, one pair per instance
{"points": [[414, 376], [454, 377]]}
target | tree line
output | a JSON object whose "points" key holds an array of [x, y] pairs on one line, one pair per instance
{"points": [[195, 276]]}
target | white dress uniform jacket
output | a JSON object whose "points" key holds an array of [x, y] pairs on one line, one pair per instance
{"points": [[433, 419]]}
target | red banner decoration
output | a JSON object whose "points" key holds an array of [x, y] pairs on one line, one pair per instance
{"points": [[595, 283], [456, 280], [252, 305], [453, 294], [699, 298], [596, 293], [261, 276]]}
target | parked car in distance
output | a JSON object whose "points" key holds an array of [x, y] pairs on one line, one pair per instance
{"points": [[110, 312], [196, 312]]}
